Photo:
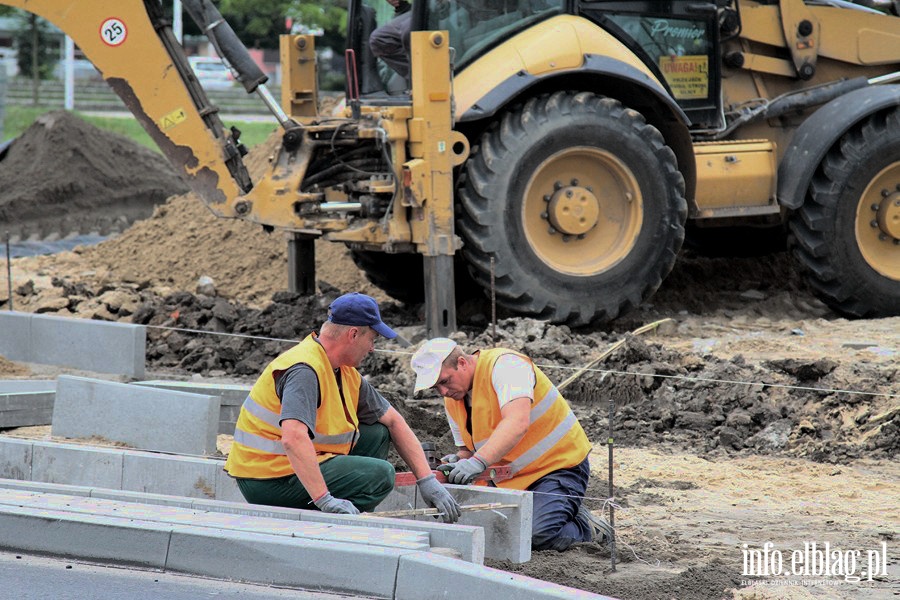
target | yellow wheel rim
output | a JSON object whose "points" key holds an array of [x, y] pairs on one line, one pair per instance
{"points": [[878, 222], [582, 212]]}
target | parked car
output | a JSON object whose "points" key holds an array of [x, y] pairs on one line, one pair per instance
{"points": [[82, 70], [211, 72]]}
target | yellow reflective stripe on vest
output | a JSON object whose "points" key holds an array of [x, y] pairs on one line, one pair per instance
{"points": [[544, 446], [262, 413], [257, 442]]}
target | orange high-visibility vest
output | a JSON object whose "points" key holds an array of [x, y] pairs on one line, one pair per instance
{"points": [[554, 440], [257, 452]]}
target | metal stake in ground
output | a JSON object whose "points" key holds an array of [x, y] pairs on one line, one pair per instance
{"points": [[493, 305], [612, 510], [8, 272]]}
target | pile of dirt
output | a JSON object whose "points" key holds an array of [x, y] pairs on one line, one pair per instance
{"points": [[67, 176]]}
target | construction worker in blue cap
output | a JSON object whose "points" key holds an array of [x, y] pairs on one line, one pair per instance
{"points": [[314, 433]]}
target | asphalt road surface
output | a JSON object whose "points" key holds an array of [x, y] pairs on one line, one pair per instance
{"points": [[26, 577]]}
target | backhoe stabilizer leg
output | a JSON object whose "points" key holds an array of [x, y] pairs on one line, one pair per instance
{"points": [[440, 296]]}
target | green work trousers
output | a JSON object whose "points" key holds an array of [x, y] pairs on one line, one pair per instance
{"points": [[364, 477]]}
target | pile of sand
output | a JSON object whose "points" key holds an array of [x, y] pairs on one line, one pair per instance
{"points": [[63, 176]]}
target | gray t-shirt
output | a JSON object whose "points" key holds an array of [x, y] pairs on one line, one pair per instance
{"points": [[298, 388]]}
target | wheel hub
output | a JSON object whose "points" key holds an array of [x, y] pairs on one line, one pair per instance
{"points": [[887, 215], [573, 209]]}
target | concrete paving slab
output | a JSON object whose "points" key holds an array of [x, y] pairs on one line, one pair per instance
{"points": [[46, 488], [467, 540], [76, 465], [145, 418], [449, 578], [15, 458], [231, 397], [15, 343], [307, 564], [97, 346], [176, 516], [26, 409], [175, 475], [83, 536]]}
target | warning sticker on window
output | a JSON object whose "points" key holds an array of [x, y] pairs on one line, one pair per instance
{"points": [[688, 76]]}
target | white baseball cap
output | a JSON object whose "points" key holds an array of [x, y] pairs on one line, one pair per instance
{"points": [[427, 361]]}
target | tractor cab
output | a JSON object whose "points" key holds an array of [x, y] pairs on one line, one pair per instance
{"points": [[678, 40]]}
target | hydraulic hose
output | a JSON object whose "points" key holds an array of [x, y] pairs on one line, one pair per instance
{"points": [[226, 42]]}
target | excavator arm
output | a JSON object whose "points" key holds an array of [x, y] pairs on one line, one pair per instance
{"points": [[380, 181]]}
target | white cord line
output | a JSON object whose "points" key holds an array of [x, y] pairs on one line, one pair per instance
{"points": [[570, 368]]}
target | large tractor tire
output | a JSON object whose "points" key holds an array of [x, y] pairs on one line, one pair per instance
{"points": [[580, 204], [401, 276], [847, 233]]}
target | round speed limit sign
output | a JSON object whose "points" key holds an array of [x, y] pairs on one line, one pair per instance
{"points": [[113, 32]]}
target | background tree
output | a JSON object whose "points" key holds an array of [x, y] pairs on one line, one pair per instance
{"points": [[258, 23], [37, 52], [331, 17]]}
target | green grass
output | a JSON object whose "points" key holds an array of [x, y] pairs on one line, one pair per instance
{"points": [[18, 119]]}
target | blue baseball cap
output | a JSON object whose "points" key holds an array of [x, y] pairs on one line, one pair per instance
{"points": [[359, 310]]}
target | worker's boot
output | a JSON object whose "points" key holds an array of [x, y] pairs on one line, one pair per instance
{"points": [[601, 531]]}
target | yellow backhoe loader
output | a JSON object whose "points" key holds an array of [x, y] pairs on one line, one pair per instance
{"points": [[552, 150]]}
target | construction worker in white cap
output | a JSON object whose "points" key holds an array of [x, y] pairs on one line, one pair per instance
{"points": [[503, 410], [313, 433]]}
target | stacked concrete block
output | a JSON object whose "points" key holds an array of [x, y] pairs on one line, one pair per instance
{"points": [[26, 402], [25, 409], [231, 397], [97, 346], [144, 418]]}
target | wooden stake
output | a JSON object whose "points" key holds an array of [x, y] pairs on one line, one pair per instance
{"points": [[608, 351]]}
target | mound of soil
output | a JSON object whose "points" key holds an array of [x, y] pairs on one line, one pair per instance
{"points": [[67, 176]]}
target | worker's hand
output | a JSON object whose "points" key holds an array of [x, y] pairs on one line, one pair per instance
{"points": [[438, 497], [464, 470], [329, 504], [450, 458]]}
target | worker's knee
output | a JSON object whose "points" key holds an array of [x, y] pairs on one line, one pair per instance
{"points": [[380, 479]]}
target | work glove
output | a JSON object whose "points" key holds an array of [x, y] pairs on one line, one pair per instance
{"points": [[438, 497], [450, 458], [330, 504], [464, 470]]}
